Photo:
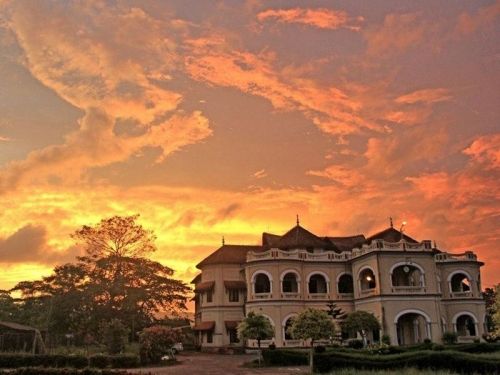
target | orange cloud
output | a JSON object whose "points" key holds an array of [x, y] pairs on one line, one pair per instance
{"points": [[321, 18], [486, 150], [425, 96], [484, 18]]}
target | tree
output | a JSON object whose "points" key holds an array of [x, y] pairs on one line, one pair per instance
{"points": [[113, 281], [495, 308], [156, 341], [114, 336], [255, 327], [490, 297], [361, 322], [312, 324]]}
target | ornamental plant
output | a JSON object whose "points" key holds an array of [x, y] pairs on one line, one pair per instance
{"points": [[156, 341]]}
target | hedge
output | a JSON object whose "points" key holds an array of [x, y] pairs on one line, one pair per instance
{"points": [[70, 361], [463, 363], [285, 357], [60, 371]]}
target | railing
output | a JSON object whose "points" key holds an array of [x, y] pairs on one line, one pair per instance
{"points": [[332, 256], [408, 289], [448, 257], [263, 343], [466, 294], [318, 295], [292, 343], [290, 295], [262, 295], [368, 292], [346, 295]]}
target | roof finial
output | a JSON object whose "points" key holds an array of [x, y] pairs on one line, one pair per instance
{"points": [[390, 221], [298, 221], [435, 244], [223, 241]]}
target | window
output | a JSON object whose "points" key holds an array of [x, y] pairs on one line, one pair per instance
{"points": [[287, 327], [262, 284], [317, 284], [345, 284], [233, 336], [407, 275], [209, 296], [210, 337], [234, 295], [290, 283], [460, 283], [367, 279]]}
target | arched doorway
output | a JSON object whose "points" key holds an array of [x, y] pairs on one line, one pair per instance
{"points": [[407, 275], [466, 326], [412, 327]]}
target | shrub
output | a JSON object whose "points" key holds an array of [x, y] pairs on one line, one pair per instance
{"points": [[68, 361], [272, 346], [386, 339], [450, 338], [58, 371], [355, 344], [287, 357], [124, 361], [319, 349], [99, 361], [444, 360], [115, 336], [155, 342]]}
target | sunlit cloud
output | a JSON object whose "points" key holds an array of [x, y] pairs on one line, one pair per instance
{"points": [[425, 96], [260, 174], [321, 18], [483, 18]]}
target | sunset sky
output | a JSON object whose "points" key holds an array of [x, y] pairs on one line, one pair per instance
{"points": [[228, 118]]}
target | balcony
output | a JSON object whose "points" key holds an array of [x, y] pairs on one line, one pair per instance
{"points": [[262, 295], [368, 292], [408, 289], [318, 295], [468, 256], [346, 295], [290, 295], [466, 294]]}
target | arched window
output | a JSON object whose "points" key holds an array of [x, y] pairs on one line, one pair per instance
{"points": [[289, 283], [262, 284], [345, 283], [460, 282], [286, 328], [407, 275], [317, 284], [465, 325], [367, 279]]}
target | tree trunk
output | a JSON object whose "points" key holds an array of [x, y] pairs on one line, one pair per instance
{"points": [[258, 345], [311, 358]]}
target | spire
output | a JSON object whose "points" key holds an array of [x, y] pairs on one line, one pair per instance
{"points": [[298, 221], [390, 222], [223, 241]]}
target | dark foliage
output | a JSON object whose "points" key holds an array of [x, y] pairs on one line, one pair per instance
{"points": [[284, 357], [70, 361], [59, 371]]}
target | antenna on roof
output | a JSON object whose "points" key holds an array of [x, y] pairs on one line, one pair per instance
{"points": [[390, 222], [223, 241], [298, 221]]}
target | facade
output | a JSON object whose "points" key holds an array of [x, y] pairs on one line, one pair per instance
{"points": [[414, 289]]}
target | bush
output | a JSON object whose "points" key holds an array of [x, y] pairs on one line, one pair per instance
{"points": [[155, 342], [115, 336], [285, 357], [444, 360], [450, 338], [319, 349], [386, 339], [58, 371], [99, 361], [124, 361], [68, 361], [355, 344]]}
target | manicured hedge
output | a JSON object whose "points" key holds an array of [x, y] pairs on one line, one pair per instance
{"points": [[69, 361], [285, 357], [434, 360], [60, 371]]}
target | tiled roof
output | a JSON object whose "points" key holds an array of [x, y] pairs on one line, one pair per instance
{"points": [[231, 324], [197, 279], [269, 239], [390, 235], [201, 287], [17, 327], [235, 284], [204, 326], [229, 254], [348, 243], [298, 237]]}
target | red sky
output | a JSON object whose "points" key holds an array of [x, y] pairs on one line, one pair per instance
{"points": [[228, 118]]}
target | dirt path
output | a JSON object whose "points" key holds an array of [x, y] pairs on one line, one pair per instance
{"points": [[215, 364]]}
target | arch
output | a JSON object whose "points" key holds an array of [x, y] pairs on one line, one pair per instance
{"points": [[285, 323], [461, 326], [370, 281], [261, 285], [350, 287], [459, 271], [412, 311], [342, 274], [407, 278], [290, 270], [254, 275], [457, 315], [316, 285], [290, 282], [270, 319], [411, 328]]}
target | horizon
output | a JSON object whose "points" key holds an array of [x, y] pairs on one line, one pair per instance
{"points": [[227, 119]]}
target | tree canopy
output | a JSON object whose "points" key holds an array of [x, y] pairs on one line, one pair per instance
{"points": [[255, 327], [114, 280], [361, 322]]}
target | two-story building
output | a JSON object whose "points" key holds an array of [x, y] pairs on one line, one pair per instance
{"points": [[414, 289]]}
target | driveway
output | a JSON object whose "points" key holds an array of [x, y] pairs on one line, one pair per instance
{"points": [[216, 364]]}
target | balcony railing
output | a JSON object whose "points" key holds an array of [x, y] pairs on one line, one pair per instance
{"points": [[468, 256], [408, 289], [262, 295], [346, 295], [290, 295], [466, 294], [368, 292], [318, 295]]}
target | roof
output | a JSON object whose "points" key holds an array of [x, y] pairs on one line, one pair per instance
{"points": [[231, 324], [348, 243], [229, 254], [17, 327], [298, 237], [204, 326], [235, 284], [201, 287], [390, 235], [196, 279], [269, 239]]}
